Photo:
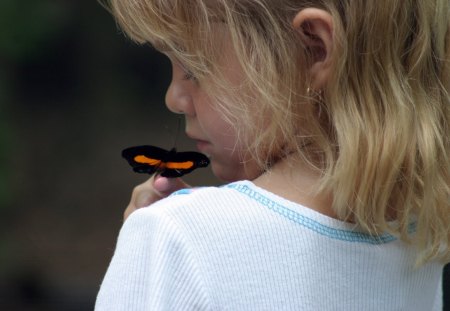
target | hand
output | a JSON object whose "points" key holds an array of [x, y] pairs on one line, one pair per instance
{"points": [[154, 189]]}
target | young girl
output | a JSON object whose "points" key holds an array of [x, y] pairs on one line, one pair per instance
{"points": [[330, 121]]}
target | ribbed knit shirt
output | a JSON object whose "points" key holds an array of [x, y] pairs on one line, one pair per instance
{"points": [[240, 247]]}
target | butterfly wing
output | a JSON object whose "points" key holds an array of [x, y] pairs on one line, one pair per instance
{"points": [[181, 163], [171, 164], [145, 159]]}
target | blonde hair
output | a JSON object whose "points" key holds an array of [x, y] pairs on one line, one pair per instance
{"points": [[382, 134]]}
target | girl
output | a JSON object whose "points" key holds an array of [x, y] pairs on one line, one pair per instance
{"points": [[330, 119]]}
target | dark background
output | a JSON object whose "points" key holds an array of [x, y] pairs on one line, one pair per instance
{"points": [[73, 93]]}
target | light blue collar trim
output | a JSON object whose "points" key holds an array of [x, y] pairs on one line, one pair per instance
{"points": [[339, 234]]}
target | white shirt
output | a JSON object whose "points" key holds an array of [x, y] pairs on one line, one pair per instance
{"points": [[239, 247]]}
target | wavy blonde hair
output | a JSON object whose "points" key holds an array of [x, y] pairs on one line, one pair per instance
{"points": [[381, 139]]}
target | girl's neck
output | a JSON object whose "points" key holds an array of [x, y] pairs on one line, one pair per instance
{"points": [[295, 180]]}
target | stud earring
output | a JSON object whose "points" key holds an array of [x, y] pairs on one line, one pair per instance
{"points": [[316, 98], [313, 93]]}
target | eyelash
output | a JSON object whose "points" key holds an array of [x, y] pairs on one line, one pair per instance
{"points": [[188, 75]]}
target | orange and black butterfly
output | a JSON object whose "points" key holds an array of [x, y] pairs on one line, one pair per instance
{"points": [[151, 159]]}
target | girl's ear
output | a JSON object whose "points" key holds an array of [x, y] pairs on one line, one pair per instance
{"points": [[315, 27]]}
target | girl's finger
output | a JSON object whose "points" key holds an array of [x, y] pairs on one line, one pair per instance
{"points": [[165, 186]]}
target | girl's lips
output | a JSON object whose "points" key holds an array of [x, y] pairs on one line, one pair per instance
{"points": [[201, 145]]}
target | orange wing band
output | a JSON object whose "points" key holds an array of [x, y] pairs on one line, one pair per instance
{"points": [[144, 160], [170, 165], [179, 165]]}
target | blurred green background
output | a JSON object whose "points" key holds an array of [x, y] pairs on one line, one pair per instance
{"points": [[73, 93]]}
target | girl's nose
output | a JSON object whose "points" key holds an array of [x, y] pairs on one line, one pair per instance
{"points": [[178, 99]]}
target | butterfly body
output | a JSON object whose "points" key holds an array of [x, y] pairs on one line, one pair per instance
{"points": [[167, 163]]}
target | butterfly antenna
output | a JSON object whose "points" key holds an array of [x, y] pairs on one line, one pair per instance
{"points": [[177, 133]]}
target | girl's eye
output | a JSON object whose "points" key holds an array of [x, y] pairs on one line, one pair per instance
{"points": [[188, 75]]}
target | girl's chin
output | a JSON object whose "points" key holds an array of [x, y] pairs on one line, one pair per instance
{"points": [[225, 173], [231, 173]]}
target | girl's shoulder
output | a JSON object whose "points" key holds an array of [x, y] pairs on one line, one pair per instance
{"points": [[197, 197], [208, 206], [207, 197], [242, 204]]}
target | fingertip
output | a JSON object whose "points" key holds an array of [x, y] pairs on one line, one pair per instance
{"points": [[162, 184]]}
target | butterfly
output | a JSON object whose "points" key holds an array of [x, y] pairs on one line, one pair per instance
{"points": [[171, 164]]}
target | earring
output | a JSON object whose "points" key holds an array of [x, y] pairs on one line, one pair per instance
{"points": [[313, 93], [317, 99]]}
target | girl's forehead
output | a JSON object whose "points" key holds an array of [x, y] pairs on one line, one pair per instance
{"points": [[215, 33]]}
